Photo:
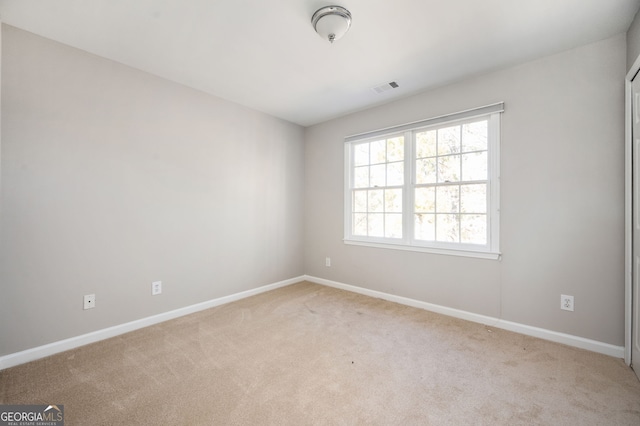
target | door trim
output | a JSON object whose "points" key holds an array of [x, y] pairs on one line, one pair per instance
{"points": [[628, 211]]}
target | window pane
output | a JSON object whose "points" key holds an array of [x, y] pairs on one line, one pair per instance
{"points": [[426, 144], [395, 149], [378, 175], [360, 224], [395, 174], [447, 199], [473, 198], [393, 225], [426, 171], [376, 225], [425, 200], [425, 227], [474, 166], [393, 200], [449, 168], [360, 201], [447, 228], [378, 152], [361, 177], [376, 201], [361, 154], [449, 140], [473, 229], [474, 136]]}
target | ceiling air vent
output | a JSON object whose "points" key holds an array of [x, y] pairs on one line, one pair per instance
{"points": [[384, 87]]}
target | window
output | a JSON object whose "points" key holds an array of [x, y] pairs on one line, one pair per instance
{"points": [[427, 186]]}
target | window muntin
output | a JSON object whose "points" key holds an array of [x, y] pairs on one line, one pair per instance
{"points": [[430, 187]]}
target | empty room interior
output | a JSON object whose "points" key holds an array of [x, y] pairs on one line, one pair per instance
{"points": [[304, 212]]}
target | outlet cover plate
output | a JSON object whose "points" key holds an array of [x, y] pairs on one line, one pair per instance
{"points": [[566, 302], [89, 301], [156, 288]]}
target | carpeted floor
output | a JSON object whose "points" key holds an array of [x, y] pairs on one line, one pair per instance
{"points": [[309, 354]]}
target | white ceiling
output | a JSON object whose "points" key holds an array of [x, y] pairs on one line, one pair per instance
{"points": [[265, 54]]}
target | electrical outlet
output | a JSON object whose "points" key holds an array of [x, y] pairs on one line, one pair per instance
{"points": [[89, 301], [566, 302], [327, 261], [156, 288]]}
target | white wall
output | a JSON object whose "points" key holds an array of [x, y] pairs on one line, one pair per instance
{"points": [[562, 163], [113, 178]]}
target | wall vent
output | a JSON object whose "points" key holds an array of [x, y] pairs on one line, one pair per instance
{"points": [[384, 87]]}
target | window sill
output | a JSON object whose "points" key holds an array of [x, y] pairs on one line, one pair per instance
{"points": [[433, 250]]}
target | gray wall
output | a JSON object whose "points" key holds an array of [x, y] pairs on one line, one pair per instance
{"points": [[633, 41], [113, 178], [562, 198]]}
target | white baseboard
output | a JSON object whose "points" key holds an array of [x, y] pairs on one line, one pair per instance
{"points": [[554, 336], [28, 355]]}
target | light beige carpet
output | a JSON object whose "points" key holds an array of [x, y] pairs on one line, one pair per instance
{"points": [[308, 354]]}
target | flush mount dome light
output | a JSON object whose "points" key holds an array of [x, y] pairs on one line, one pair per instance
{"points": [[331, 22]]}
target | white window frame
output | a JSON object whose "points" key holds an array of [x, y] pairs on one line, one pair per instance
{"points": [[489, 251]]}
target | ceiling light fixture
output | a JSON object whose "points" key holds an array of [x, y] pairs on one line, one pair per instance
{"points": [[331, 22]]}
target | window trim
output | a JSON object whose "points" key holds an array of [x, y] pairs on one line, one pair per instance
{"points": [[489, 251]]}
